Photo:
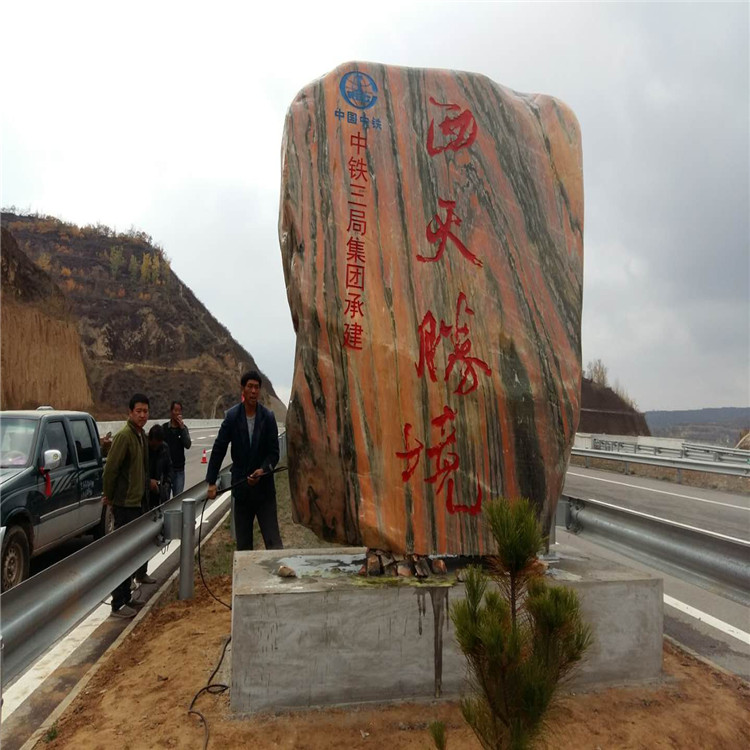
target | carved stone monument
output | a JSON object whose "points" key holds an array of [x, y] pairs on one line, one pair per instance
{"points": [[431, 227]]}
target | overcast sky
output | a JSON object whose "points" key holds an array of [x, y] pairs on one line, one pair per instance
{"points": [[169, 116]]}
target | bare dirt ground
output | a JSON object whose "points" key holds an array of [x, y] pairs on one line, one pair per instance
{"points": [[140, 695]]}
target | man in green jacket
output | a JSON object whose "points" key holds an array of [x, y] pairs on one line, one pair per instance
{"points": [[126, 484]]}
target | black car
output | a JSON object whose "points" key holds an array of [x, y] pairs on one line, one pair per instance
{"points": [[50, 485]]}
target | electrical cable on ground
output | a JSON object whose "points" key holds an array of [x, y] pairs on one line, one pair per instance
{"points": [[213, 689], [218, 688], [200, 565], [200, 534]]}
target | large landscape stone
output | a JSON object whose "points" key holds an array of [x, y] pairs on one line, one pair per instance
{"points": [[431, 228]]}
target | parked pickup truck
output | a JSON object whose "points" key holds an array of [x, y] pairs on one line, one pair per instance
{"points": [[50, 485]]}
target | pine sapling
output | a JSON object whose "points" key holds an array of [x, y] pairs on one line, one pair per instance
{"points": [[520, 638]]}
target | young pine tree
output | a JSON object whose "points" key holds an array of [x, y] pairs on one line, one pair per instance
{"points": [[520, 638]]}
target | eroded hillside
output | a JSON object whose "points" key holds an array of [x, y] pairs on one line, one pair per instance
{"points": [[41, 358], [141, 328]]}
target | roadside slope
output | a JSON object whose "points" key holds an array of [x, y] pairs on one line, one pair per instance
{"points": [[41, 357]]}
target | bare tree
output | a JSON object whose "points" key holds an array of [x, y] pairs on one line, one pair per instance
{"points": [[596, 370]]}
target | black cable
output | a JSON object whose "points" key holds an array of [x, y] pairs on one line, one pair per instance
{"points": [[200, 566], [217, 688], [200, 533], [212, 689]]}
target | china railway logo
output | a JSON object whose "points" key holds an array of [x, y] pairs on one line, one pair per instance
{"points": [[359, 90]]}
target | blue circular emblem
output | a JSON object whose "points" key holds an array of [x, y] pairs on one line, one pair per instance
{"points": [[358, 89]]}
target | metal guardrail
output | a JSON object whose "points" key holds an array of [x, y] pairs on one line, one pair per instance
{"points": [[670, 457], [714, 558], [42, 609], [683, 449], [719, 453]]}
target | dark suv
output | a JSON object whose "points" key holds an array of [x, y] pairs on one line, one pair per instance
{"points": [[50, 485]]}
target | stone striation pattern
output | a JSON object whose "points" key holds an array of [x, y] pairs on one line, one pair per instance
{"points": [[431, 230]]}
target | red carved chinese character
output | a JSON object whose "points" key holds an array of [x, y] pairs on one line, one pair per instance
{"points": [[448, 463], [461, 130], [353, 335], [358, 222], [355, 276], [357, 169], [473, 510], [356, 252], [442, 234], [410, 454], [429, 338], [460, 355], [353, 306], [359, 142]]}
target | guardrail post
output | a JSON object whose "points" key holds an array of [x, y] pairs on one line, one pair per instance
{"points": [[187, 549]]}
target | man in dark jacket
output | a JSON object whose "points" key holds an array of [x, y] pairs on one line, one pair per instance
{"points": [[252, 431], [160, 468], [125, 487], [177, 437]]}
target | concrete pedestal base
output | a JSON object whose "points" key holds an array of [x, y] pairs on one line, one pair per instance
{"points": [[330, 637]]}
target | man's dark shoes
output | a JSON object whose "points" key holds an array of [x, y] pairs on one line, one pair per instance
{"points": [[125, 612], [146, 579]]}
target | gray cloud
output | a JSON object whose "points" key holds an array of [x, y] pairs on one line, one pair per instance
{"points": [[182, 138]]}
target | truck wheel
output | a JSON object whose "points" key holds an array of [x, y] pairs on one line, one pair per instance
{"points": [[106, 524], [15, 558]]}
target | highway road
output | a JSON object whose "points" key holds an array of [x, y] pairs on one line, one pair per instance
{"points": [[706, 621], [708, 510]]}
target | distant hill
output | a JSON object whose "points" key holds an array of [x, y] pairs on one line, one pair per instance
{"points": [[141, 328], [603, 412], [721, 426]]}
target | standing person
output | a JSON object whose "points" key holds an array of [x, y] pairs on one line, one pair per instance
{"points": [[160, 468], [177, 438], [252, 431], [126, 484]]}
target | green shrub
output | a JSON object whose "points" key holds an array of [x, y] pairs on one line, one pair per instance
{"points": [[520, 638]]}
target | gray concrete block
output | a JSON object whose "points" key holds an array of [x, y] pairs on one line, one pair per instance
{"points": [[329, 637]]}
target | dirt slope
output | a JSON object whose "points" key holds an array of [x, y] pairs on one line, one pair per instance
{"points": [[41, 357], [140, 696]]}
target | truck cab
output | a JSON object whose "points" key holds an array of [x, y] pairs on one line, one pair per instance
{"points": [[50, 485]]}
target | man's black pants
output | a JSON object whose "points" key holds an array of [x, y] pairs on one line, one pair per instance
{"points": [[247, 506], [124, 514]]}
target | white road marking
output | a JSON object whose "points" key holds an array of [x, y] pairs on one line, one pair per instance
{"points": [[38, 672], [14, 696], [672, 523], [714, 622], [661, 492]]}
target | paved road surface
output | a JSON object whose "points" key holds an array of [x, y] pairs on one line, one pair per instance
{"points": [[705, 620], [708, 510]]}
